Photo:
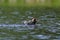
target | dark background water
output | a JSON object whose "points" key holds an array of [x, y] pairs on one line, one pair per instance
{"points": [[47, 28]]}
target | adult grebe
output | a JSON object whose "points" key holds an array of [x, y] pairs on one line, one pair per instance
{"points": [[31, 22]]}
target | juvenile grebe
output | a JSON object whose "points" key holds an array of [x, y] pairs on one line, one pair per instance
{"points": [[31, 22]]}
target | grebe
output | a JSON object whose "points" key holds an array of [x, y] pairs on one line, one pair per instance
{"points": [[31, 22]]}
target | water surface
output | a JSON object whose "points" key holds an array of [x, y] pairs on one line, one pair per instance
{"points": [[47, 28]]}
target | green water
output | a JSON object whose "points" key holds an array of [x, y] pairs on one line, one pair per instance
{"points": [[48, 27]]}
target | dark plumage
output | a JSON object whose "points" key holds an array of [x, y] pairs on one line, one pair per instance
{"points": [[31, 22]]}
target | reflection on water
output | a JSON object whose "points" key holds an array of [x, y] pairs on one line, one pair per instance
{"points": [[41, 36], [12, 27]]}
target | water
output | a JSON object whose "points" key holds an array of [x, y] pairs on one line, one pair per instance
{"points": [[12, 27]]}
